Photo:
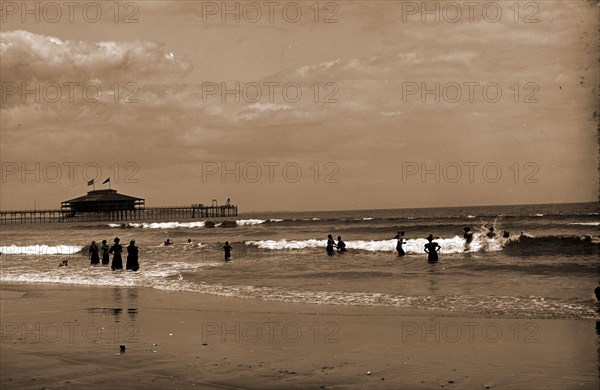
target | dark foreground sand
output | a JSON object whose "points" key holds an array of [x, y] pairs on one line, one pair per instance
{"points": [[69, 337]]}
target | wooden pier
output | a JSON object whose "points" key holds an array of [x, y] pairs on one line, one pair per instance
{"points": [[137, 214]]}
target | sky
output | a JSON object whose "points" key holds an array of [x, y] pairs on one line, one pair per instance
{"points": [[300, 105]]}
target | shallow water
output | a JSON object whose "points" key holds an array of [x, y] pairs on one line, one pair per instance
{"points": [[547, 268]]}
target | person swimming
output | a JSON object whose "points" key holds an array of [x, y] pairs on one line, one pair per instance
{"points": [[168, 241], [400, 238], [432, 249], [330, 245], [341, 246], [491, 233], [227, 248]]}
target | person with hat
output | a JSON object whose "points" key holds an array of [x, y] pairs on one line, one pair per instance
{"points": [[117, 249], [400, 238], [227, 249], [93, 251], [432, 249], [132, 257]]}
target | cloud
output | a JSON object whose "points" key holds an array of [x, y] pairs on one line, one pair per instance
{"points": [[33, 57]]}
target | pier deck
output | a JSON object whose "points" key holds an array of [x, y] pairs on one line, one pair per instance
{"points": [[138, 214]]}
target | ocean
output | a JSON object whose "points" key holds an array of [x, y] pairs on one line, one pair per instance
{"points": [[547, 268]]}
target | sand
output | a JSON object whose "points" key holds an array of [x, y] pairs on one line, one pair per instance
{"points": [[69, 337]]}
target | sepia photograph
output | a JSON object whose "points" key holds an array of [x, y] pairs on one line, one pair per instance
{"points": [[303, 194]]}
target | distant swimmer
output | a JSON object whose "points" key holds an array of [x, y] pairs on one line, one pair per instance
{"points": [[400, 238], [132, 257], [432, 249], [116, 249], [330, 245], [168, 241], [468, 235], [341, 246], [227, 248], [93, 252], [189, 240], [105, 255], [506, 234], [64, 263], [491, 233]]}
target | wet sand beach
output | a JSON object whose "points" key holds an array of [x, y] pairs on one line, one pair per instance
{"points": [[70, 337]]}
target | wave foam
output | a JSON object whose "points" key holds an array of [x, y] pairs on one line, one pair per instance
{"points": [[250, 222], [158, 225], [412, 246], [527, 307], [41, 249], [247, 222]]}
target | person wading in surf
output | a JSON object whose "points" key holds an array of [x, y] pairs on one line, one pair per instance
{"points": [[432, 249]]}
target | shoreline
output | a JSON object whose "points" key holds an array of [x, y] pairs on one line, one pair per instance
{"points": [[70, 336], [392, 309]]}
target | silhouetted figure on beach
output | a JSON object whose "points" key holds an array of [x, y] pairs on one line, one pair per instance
{"points": [[105, 255], [432, 249], [94, 256], [341, 245], [116, 250], [491, 233], [227, 248], [400, 238], [132, 257], [597, 292], [330, 245]]}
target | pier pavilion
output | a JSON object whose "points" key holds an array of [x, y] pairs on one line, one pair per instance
{"points": [[109, 205]]}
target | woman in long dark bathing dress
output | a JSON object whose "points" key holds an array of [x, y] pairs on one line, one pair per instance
{"points": [[117, 261], [132, 257]]}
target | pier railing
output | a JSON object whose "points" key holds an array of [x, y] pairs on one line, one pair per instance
{"points": [[141, 214]]}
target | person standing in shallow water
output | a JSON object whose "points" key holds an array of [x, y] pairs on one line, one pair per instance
{"points": [[105, 255], [330, 245], [227, 248], [468, 235], [400, 238], [94, 257], [432, 249], [132, 257], [116, 249], [341, 245]]}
